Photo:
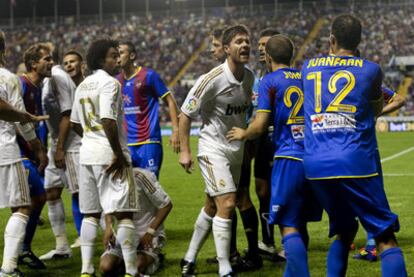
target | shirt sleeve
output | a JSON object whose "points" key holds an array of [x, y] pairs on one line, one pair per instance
{"points": [[200, 93], [64, 92], [266, 96], [109, 98], [16, 100], [388, 94], [158, 85], [152, 188]]}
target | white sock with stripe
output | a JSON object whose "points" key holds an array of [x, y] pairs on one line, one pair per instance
{"points": [[56, 214], [13, 238]]}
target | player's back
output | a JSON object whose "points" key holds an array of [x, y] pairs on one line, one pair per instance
{"points": [[10, 92], [96, 98], [339, 120], [281, 94]]}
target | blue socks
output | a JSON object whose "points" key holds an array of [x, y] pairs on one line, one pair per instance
{"points": [[392, 263], [77, 215], [337, 259], [296, 256]]}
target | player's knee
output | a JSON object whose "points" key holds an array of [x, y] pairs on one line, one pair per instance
{"points": [[53, 194], [24, 210]]}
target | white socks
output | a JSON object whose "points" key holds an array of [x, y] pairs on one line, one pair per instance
{"points": [[56, 214], [222, 237], [202, 228], [89, 231], [13, 238], [126, 236]]}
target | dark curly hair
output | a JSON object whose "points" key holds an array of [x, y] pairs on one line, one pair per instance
{"points": [[97, 52]]}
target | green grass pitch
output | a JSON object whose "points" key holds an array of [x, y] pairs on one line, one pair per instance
{"points": [[187, 194]]}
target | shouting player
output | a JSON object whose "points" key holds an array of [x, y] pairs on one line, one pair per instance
{"points": [[222, 98]]}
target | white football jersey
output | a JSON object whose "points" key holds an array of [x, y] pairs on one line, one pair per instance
{"points": [[96, 98], [152, 197], [58, 93], [11, 92], [222, 102]]}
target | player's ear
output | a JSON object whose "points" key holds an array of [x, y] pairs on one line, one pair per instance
{"points": [[132, 56], [226, 49]]}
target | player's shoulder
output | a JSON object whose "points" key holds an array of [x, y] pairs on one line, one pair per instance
{"points": [[212, 77], [371, 66], [9, 77]]}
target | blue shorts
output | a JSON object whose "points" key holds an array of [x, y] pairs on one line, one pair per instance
{"points": [[147, 156], [36, 180], [345, 199], [292, 202]]}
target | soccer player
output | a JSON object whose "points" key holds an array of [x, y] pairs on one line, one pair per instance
{"points": [[74, 65], [217, 50], [141, 89], [263, 160], [105, 183], [38, 61], [281, 96], [15, 189], [342, 98], [57, 98], [155, 205], [222, 97]]}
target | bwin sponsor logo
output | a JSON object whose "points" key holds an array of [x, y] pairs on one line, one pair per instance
{"points": [[230, 110]]}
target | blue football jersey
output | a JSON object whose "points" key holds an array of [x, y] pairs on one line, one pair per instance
{"points": [[280, 93], [340, 139]]}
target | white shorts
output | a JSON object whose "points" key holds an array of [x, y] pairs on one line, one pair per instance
{"points": [[220, 175], [14, 187], [158, 244], [97, 191], [57, 177]]}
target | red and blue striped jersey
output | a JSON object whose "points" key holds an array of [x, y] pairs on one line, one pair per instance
{"points": [[141, 93], [32, 98]]}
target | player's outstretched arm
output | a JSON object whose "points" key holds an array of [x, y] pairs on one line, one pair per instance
{"points": [[185, 159], [173, 112], [396, 102], [119, 164], [255, 129], [8, 113], [108, 237]]}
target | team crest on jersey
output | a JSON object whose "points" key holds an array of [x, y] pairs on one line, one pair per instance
{"points": [[192, 104], [298, 132], [222, 183], [275, 208], [330, 122], [127, 99]]}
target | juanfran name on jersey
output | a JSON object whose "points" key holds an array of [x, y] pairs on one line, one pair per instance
{"points": [[330, 122]]}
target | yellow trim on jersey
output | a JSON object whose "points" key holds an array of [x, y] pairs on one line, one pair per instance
{"points": [[263, 111], [165, 94], [287, 157], [143, 142], [210, 76], [133, 74], [344, 177]]}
